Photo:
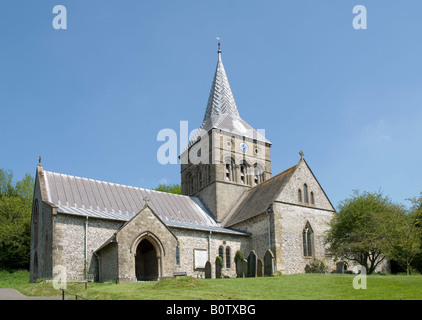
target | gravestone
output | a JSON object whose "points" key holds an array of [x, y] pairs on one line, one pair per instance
{"points": [[268, 263], [245, 268], [218, 267], [238, 260], [208, 270], [340, 267], [252, 264], [239, 268], [260, 268]]}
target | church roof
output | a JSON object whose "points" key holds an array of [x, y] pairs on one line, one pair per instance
{"points": [[105, 200], [222, 113], [257, 199]]}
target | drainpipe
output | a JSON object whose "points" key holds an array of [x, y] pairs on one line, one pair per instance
{"points": [[86, 246], [268, 211], [209, 246]]}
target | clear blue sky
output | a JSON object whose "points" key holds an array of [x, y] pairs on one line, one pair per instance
{"points": [[91, 99]]}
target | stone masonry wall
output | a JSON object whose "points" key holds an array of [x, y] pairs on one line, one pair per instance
{"points": [[290, 222], [145, 225], [189, 240], [69, 242]]}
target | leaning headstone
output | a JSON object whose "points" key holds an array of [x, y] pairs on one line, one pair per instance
{"points": [[238, 260], [245, 268], [239, 268], [340, 267], [308, 269], [252, 261], [268, 263], [259, 268], [208, 270], [218, 267]]}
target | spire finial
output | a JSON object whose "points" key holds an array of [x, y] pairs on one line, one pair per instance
{"points": [[301, 154], [219, 47], [39, 159]]}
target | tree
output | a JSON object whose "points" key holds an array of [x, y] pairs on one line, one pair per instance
{"points": [[170, 188], [355, 233], [15, 219], [402, 236]]}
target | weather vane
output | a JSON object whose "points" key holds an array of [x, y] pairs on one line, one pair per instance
{"points": [[219, 49]]}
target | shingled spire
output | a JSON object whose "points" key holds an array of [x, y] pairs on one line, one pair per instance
{"points": [[221, 112], [221, 99]]}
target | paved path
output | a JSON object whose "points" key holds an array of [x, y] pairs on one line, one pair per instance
{"points": [[12, 294]]}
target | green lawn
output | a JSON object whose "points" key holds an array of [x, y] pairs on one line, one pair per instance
{"points": [[298, 287]]}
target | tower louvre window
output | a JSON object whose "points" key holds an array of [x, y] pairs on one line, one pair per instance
{"points": [[230, 167], [200, 179], [228, 172], [243, 173], [258, 174]]}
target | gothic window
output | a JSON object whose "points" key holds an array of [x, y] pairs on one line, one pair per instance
{"points": [[221, 252], [36, 220], [305, 193], [228, 257], [178, 255], [308, 237], [299, 195], [312, 198]]}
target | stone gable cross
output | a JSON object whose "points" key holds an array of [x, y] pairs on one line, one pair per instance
{"points": [[146, 199]]}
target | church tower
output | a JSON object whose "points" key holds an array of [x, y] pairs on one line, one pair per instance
{"points": [[226, 156]]}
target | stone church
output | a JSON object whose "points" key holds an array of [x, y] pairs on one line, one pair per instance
{"points": [[230, 201]]}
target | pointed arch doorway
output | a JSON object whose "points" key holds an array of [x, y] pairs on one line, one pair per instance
{"points": [[147, 261]]}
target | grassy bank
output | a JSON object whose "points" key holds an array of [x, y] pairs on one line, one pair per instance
{"points": [[298, 287]]}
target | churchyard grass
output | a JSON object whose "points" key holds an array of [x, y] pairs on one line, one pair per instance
{"points": [[298, 287]]}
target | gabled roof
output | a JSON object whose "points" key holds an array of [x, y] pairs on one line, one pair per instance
{"points": [[222, 113], [256, 201], [260, 197], [105, 200]]}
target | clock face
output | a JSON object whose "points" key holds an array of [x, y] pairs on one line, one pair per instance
{"points": [[243, 147]]}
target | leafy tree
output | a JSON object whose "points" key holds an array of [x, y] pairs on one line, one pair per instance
{"points": [[170, 188], [6, 182], [416, 212], [15, 219], [402, 236], [355, 232]]}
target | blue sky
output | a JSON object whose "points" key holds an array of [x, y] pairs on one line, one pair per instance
{"points": [[91, 99]]}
